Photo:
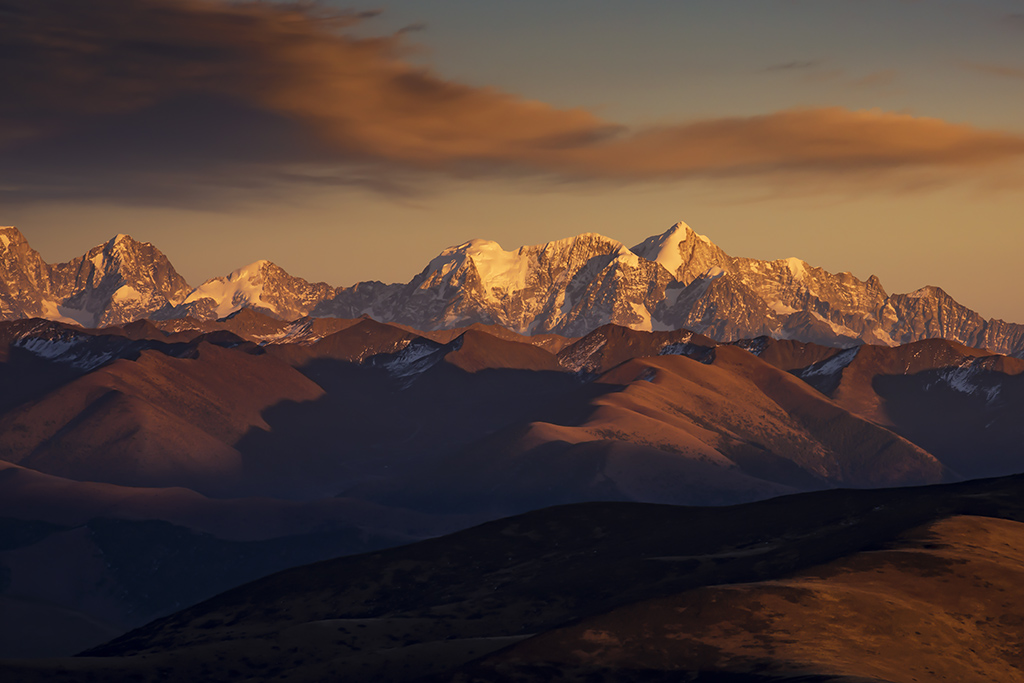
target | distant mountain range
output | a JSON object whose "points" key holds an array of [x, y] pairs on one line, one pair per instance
{"points": [[674, 280]]}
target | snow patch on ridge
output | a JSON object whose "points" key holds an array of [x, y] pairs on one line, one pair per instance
{"points": [[645, 317], [838, 329], [832, 366], [73, 351], [965, 378], [126, 293], [781, 308], [926, 292], [74, 316]]}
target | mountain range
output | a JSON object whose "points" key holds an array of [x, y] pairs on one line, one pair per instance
{"points": [[161, 443], [569, 287], [144, 467]]}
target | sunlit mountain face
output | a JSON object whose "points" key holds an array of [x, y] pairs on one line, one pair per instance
{"points": [[342, 343], [673, 280]]}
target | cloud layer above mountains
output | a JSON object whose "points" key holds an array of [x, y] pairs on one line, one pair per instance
{"points": [[125, 98]]}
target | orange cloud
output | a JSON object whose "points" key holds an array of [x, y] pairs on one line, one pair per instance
{"points": [[821, 140], [359, 101]]}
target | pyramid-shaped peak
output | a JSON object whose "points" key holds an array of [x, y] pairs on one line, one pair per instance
{"points": [[121, 240], [665, 248]]}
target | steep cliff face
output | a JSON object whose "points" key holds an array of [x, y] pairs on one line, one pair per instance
{"points": [[24, 279], [117, 282], [112, 284]]}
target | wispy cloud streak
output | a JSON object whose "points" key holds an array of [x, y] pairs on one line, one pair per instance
{"points": [[133, 90]]}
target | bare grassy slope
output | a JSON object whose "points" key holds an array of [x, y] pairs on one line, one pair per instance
{"points": [[425, 610], [944, 602], [155, 421]]}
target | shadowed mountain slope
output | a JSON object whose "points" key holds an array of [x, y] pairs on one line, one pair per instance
{"points": [[81, 562], [959, 403], [425, 610], [158, 420], [667, 429]]}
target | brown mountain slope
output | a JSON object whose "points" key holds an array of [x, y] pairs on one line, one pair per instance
{"points": [[30, 495], [855, 389], [354, 343], [417, 613], [787, 354], [158, 420], [959, 403], [610, 345], [479, 350], [550, 342], [667, 429], [943, 603]]}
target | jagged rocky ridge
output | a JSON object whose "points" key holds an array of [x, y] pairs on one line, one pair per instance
{"points": [[116, 282], [674, 280]]}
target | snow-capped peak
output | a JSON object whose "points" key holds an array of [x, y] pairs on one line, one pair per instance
{"points": [[681, 251], [797, 267], [509, 270], [242, 286], [119, 242], [664, 248]]}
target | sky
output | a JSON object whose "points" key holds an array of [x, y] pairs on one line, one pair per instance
{"points": [[354, 142]]}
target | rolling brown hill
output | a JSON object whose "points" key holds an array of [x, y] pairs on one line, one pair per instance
{"points": [[669, 429], [154, 421], [611, 345], [943, 602], [81, 562], [663, 416], [873, 584]]}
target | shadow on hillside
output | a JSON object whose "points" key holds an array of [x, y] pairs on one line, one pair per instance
{"points": [[975, 429], [370, 425]]}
